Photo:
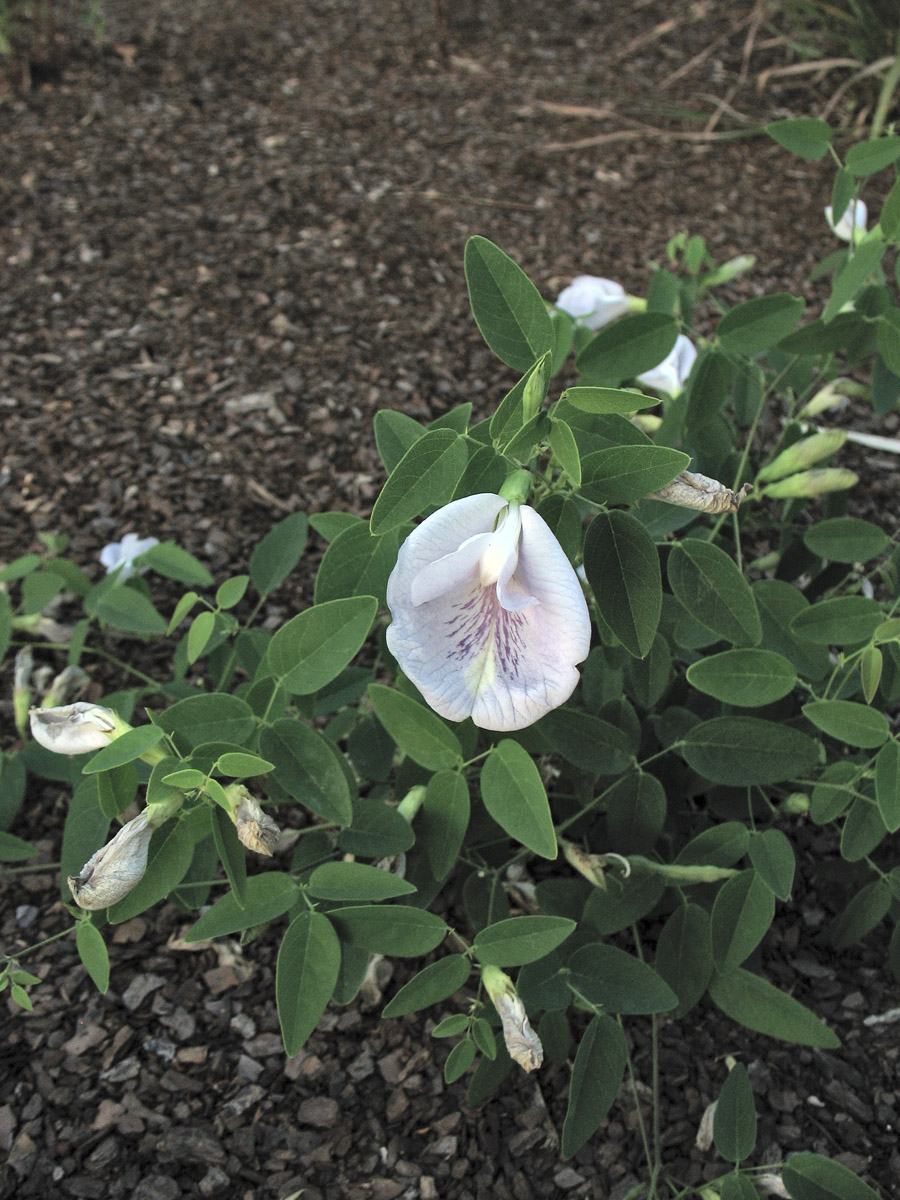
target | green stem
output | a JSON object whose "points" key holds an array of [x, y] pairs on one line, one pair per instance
{"points": [[886, 95], [38, 945]]}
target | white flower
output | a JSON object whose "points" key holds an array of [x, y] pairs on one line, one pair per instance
{"points": [[856, 214], [489, 618], [119, 556], [593, 301], [671, 374], [75, 728], [116, 868]]}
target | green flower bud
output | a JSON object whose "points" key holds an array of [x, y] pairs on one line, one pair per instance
{"points": [[803, 454], [811, 483]]}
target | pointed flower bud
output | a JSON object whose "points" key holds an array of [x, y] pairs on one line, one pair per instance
{"points": [[811, 483], [522, 1042], [24, 666], [120, 556], [593, 301], [833, 394], [489, 619], [691, 490], [802, 454], [76, 728], [255, 829]]}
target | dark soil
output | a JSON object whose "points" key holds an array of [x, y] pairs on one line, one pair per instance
{"points": [[229, 236]]}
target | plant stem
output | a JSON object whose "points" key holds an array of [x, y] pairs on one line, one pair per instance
{"points": [[886, 95], [38, 945]]}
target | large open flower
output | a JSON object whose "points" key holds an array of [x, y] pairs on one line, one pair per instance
{"points": [[489, 619]]}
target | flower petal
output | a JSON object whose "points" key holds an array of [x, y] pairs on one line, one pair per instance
{"points": [[466, 652]]}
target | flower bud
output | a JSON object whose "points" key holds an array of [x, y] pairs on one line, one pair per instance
{"points": [[522, 1042], [255, 829], [852, 222], [120, 556], [24, 666], [794, 805], [76, 728], [833, 394], [811, 483], [66, 686], [690, 490], [116, 868], [803, 454]]}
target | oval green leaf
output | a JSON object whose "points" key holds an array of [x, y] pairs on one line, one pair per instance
{"points": [[306, 972], [622, 567], [746, 678], [514, 795]]}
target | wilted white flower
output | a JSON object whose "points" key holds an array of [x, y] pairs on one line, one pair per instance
{"points": [[855, 215], [593, 301], [75, 728], [255, 829], [69, 683], [671, 374], [522, 1042], [120, 556], [692, 490], [116, 868], [489, 618]]}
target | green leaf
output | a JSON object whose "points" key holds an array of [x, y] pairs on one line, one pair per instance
{"points": [[313, 648], [507, 307], [746, 678], [445, 817], [707, 388], [888, 341], [236, 765], [399, 930], [306, 972], [85, 831], [125, 749], [608, 400], [232, 591], [329, 525], [778, 603], [425, 476], [734, 1123], [395, 432], [231, 852], [308, 768], [171, 851], [846, 540], [843, 621], [419, 733], [757, 325], [833, 792], [712, 589], [483, 1036], [683, 957], [217, 717], [124, 608], [627, 348], [459, 1060], [865, 158], [863, 830], [377, 830], [741, 917], [809, 1176], [93, 954], [737, 1187], [850, 278], [622, 902], [435, 983], [565, 451], [596, 1075], [173, 562], [16, 849], [356, 881], [635, 813], [182, 608], [741, 751], [520, 940], [621, 474], [808, 137], [356, 564], [848, 721], [622, 567], [606, 975], [756, 1004], [266, 897], [201, 630], [117, 789], [586, 741], [528, 393], [720, 846], [278, 553], [865, 910], [887, 785], [514, 795], [773, 859]]}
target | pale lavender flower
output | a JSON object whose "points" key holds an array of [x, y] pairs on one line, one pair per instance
{"points": [[672, 373], [489, 618], [852, 223], [593, 301], [120, 556]]}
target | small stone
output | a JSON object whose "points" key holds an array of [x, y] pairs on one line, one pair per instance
{"points": [[248, 1068], [213, 1182], [397, 1105], [157, 1187], [265, 1045], [7, 1126], [139, 989], [386, 1189], [245, 1099], [108, 1112], [567, 1178], [243, 1025], [26, 914], [427, 1188], [319, 1111], [361, 1067], [220, 979], [22, 1156], [855, 1001], [444, 1147]]}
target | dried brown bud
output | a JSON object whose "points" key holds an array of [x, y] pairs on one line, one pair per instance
{"points": [[255, 829]]}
